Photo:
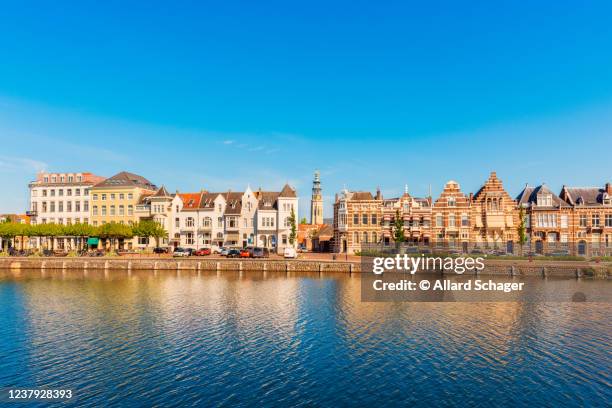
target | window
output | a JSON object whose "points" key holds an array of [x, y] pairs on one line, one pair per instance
{"points": [[355, 219], [374, 238], [130, 196], [122, 210], [79, 179], [189, 222], [69, 192], [103, 210], [189, 238], [94, 210], [112, 210], [465, 222], [44, 193], [46, 179], [595, 220], [439, 220], [130, 210], [544, 200], [564, 238], [77, 191], [364, 219], [452, 202], [70, 179], [60, 206], [356, 237], [365, 238], [122, 196], [52, 209], [94, 197], [206, 222], [374, 219], [103, 197], [77, 206], [112, 196], [85, 206], [451, 220], [69, 206], [52, 193], [583, 220], [284, 239], [177, 222], [220, 222], [608, 220], [563, 220]]}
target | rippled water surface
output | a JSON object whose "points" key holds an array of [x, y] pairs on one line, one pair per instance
{"points": [[297, 340]]}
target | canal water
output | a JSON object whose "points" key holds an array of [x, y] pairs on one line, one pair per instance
{"points": [[255, 339]]}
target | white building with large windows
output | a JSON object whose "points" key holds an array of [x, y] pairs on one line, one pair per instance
{"points": [[234, 219], [61, 198]]}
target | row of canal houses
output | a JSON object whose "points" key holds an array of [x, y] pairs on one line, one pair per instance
{"points": [[577, 221]]}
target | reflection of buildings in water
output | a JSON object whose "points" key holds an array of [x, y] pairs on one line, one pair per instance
{"points": [[252, 304]]}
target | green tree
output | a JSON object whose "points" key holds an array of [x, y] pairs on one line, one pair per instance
{"points": [[293, 234], [115, 232], [80, 231], [150, 229], [8, 231], [398, 229], [521, 229], [49, 232]]}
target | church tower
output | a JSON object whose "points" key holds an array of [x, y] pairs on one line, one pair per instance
{"points": [[316, 202]]}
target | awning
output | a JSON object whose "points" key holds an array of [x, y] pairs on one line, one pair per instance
{"points": [[93, 241]]}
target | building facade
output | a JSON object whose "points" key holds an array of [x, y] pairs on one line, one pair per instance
{"points": [[235, 219], [451, 215], [548, 220], [61, 198], [591, 219], [494, 217]]}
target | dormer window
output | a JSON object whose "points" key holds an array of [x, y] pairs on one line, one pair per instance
{"points": [[545, 200], [452, 202], [607, 199], [580, 200]]}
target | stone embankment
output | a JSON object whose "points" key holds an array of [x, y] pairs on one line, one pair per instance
{"points": [[493, 267]]}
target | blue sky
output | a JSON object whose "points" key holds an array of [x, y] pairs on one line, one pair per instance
{"points": [[223, 94]]}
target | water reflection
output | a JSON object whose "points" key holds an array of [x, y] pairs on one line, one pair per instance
{"points": [[263, 338]]}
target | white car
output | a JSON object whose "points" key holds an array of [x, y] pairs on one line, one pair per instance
{"points": [[290, 252], [181, 252]]}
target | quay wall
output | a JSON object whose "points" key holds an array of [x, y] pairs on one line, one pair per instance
{"points": [[571, 269]]}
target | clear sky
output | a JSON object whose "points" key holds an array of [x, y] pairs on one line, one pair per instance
{"points": [[218, 95]]}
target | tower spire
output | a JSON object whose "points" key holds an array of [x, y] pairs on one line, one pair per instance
{"points": [[316, 201]]}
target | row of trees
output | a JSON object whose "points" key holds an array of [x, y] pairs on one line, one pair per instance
{"points": [[111, 231]]}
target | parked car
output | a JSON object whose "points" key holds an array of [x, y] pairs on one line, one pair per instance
{"points": [[202, 252], [224, 251], [245, 253], [180, 252], [261, 252], [160, 250], [290, 252], [233, 253]]}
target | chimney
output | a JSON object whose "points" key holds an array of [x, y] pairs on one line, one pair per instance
{"points": [[471, 197], [609, 188], [378, 194]]}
